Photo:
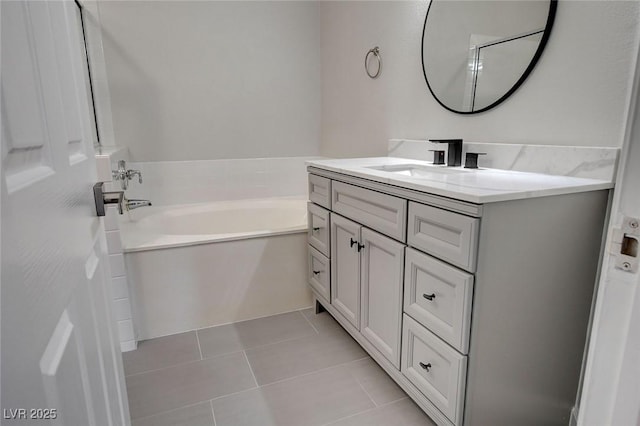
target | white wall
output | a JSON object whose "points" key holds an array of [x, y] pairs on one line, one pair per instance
{"points": [[198, 80], [576, 95]]}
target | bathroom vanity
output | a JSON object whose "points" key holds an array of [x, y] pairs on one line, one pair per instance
{"points": [[470, 288]]}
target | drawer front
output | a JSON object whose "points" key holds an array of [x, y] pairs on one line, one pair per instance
{"points": [[319, 273], [438, 371], [318, 228], [449, 236], [320, 190], [383, 213], [439, 297]]}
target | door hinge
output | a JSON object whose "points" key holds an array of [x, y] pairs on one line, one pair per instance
{"points": [[624, 245]]}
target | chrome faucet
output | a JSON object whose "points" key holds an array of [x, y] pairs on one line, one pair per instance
{"points": [[136, 204], [124, 176]]}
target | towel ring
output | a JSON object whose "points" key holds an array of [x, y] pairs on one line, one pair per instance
{"points": [[376, 53]]}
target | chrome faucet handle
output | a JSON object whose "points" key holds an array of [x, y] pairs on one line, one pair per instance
{"points": [[132, 173], [124, 176]]}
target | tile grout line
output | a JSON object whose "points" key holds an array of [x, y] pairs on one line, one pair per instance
{"points": [[199, 347], [202, 358], [250, 368], [224, 323], [291, 378], [363, 389], [364, 411], [218, 355], [180, 363], [213, 413], [168, 411], [315, 371], [308, 321]]}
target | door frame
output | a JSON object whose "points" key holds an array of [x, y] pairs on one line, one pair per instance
{"points": [[610, 391]]}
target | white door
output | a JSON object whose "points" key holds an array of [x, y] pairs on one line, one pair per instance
{"points": [[345, 268], [382, 274], [59, 354], [611, 389]]}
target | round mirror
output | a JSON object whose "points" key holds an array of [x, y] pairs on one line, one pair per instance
{"points": [[476, 53]]}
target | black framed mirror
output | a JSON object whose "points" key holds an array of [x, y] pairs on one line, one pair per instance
{"points": [[476, 53]]}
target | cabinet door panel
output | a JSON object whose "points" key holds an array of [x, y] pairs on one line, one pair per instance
{"points": [[382, 266], [345, 268]]}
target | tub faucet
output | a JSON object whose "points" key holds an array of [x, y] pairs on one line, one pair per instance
{"points": [[136, 204], [124, 175]]}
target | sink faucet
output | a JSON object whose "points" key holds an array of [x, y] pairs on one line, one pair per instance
{"points": [[454, 154], [136, 204], [124, 175]]}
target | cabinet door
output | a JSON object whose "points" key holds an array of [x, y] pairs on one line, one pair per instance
{"points": [[382, 267], [345, 268]]}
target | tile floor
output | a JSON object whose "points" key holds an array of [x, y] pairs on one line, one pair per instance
{"points": [[293, 369]]}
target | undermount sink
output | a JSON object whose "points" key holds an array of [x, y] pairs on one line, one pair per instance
{"points": [[418, 170]]}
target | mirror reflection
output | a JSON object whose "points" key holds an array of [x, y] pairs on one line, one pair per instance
{"points": [[476, 53]]}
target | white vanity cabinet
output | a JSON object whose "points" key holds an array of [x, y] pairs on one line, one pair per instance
{"points": [[474, 309]]}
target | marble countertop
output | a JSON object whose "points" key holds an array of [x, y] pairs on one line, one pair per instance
{"points": [[477, 186]]}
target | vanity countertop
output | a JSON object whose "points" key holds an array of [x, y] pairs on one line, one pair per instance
{"points": [[477, 186]]}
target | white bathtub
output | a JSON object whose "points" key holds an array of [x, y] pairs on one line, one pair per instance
{"points": [[200, 265]]}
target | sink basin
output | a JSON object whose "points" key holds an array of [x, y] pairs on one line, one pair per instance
{"points": [[418, 170]]}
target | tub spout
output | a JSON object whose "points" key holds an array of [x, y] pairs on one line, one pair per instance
{"points": [[135, 204]]}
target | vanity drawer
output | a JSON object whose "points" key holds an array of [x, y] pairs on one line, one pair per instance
{"points": [[319, 273], [320, 190], [318, 228], [438, 371], [383, 213], [449, 236], [439, 296]]}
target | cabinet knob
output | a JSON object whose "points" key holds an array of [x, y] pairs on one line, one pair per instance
{"points": [[352, 242], [425, 366], [316, 229], [429, 296], [316, 272], [360, 246]]}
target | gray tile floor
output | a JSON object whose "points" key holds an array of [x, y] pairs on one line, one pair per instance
{"points": [[294, 369]]}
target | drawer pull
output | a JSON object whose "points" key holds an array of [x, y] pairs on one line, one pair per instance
{"points": [[316, 229], [429, 296], [316, 272], [352, 242], [425, 366]]}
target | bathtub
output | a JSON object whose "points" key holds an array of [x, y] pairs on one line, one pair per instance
{"points": [[200, 265]]}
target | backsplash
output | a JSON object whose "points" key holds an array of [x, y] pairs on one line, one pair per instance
{"points": [[184, 182], [577, 161]]}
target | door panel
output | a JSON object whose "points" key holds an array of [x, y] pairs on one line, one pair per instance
{"points": [[57, 343], [345, 268], [382, 274]]}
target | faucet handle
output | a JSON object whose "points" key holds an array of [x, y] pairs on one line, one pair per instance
{"points": [[438, 156], [132, 173], [471, 159]]}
